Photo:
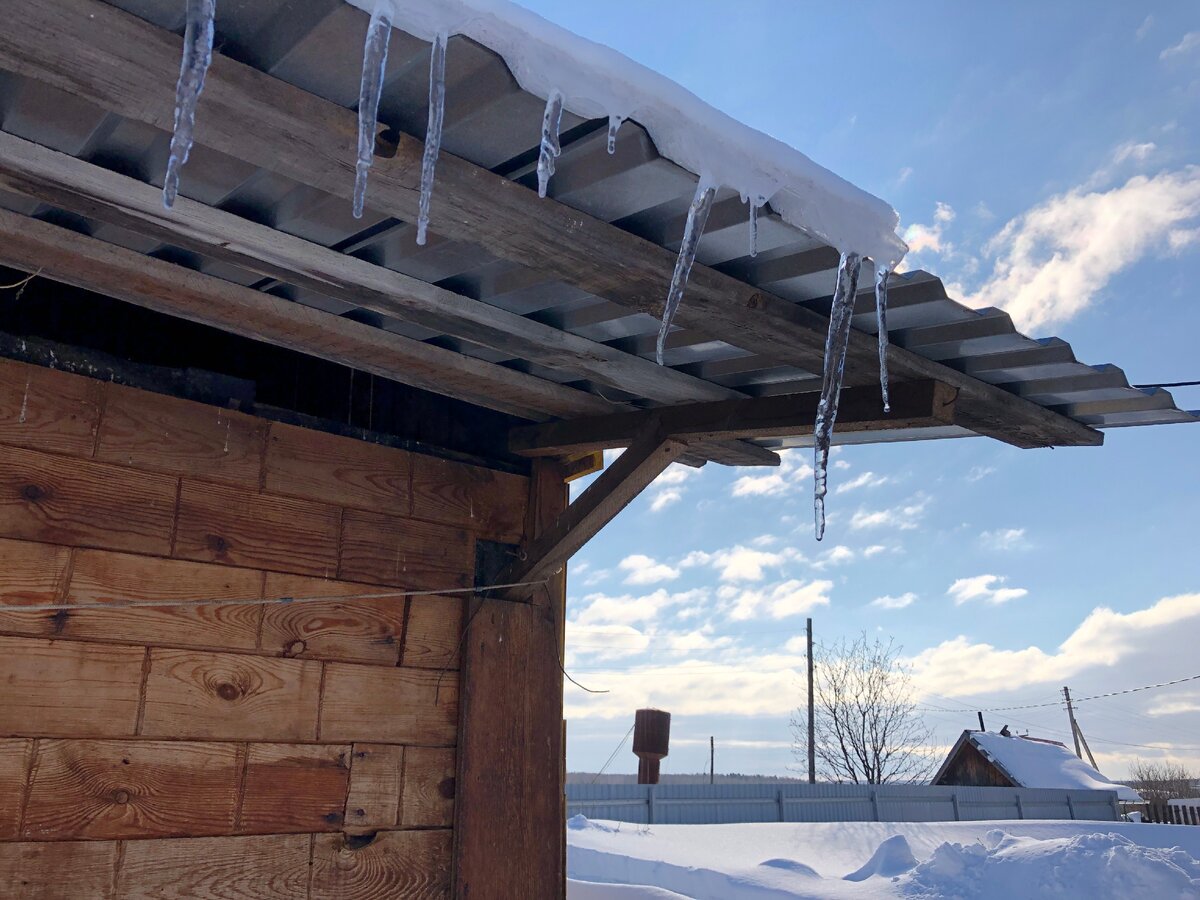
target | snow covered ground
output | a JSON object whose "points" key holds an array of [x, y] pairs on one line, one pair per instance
{"points": [[983, 860]]}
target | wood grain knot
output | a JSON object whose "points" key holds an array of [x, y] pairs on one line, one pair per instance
{"points": [[295, 648], [333, 818], [217, 544], [33, 493], [446, 788], [228, 691], [121, 797]]}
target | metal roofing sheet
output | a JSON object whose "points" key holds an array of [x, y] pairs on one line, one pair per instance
{"points": [[490, 121]]}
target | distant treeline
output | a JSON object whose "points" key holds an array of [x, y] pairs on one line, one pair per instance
{"points": [[682, 778]]}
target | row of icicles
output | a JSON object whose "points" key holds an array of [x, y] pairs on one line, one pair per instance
{"points": [[197, 55]]}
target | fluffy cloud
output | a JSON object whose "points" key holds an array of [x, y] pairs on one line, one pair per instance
{"points": [[903, 517], [1168, 629], [1052, 261], [834, 556], [1187, 44], [741, 563], [895, 602], [645, 570], [628, 609], [662, 499], [790, 474], [985, 588], [667, 488], [777, 601], [928, 238], [1004, 539], [865, 480]]}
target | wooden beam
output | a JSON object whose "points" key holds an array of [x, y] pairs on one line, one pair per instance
{"points": [[510, 739], [917, 404], [85, 262], [120, 62], [106, 196], [618, 485]]}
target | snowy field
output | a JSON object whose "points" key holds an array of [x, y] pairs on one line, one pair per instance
{"points": [[984, 860]]}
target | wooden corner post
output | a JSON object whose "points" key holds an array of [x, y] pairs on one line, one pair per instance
{"points": [[509, 829]]}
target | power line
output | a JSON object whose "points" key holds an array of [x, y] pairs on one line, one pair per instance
{"points": [[613, 755], [1133, 690], [1167, 384]]}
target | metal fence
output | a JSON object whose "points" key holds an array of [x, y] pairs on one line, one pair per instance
{"points": [[696, 804]]}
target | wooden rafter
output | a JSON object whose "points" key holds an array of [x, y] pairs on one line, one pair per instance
{"points": [[918, 404], [120, 63], [88, 190]]}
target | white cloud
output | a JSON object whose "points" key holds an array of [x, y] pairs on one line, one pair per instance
{"points": [[978, 473], [663, 499], [612, 642], [1004, 539], [834, 556], [1052, 261], [627, 609], [873, 550], [1187, 44], [779, 601], [866, 479], [790, 473], [1144, 28], [928, 238], [985, 588], [646, 570], [904, 175], [741, 563], [902, 517], [1166, 630], [895, 602], [675, 474]]}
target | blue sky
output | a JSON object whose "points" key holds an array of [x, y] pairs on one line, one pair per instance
{"points": [[1042, 157]]}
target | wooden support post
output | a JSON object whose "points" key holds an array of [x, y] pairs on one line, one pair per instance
{"points": [[1071, 716], [510, 741], [812, 718]]}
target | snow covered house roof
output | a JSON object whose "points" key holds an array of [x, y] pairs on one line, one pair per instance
{"points": [[545, 309], [1027, 762]]}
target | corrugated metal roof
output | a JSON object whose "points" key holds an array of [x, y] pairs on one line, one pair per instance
{"points": [[490, 121]]}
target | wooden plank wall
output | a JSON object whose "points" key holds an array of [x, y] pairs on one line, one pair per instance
{"points": [[285, 750]]}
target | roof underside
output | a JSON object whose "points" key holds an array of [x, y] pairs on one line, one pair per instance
{"points": [[491, 123]]}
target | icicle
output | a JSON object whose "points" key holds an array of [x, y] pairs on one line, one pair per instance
{"points": [[696, 218], [375, 49], [614, 125], [753, 227], [197, 54], [551, 148], [433, 131], [881, 280], [831, 386]]}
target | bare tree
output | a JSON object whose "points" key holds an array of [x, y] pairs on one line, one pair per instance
{"points": [[1159, 782], [868, 730]]}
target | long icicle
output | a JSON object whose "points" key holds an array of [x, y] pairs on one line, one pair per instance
{"points": [[881, 280], [551, 148], [375, 49], [697, 217], [433, 130], [753, 227], [197, 55], [831, 385]]}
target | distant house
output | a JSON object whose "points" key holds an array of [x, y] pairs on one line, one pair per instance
{"points": [[987, 759]]}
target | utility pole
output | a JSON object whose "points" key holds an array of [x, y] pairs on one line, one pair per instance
{"points": [[982, 727], [812, 717], [712, 755], [1071, 716]]}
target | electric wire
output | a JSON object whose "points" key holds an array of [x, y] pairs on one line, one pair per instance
{"points": [[613, 755]]}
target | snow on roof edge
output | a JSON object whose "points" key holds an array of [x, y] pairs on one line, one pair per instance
{"points": [[1034, 763], [597, 81]]}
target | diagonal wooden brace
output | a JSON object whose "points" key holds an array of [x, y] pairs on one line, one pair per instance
{"points": [[616, 488]]}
